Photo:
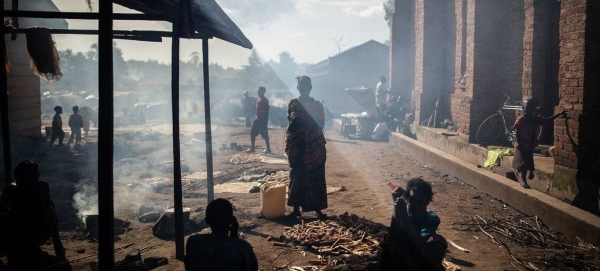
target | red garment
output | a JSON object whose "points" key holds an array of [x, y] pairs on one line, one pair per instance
{"points": [[262, 108], [527, 127]]}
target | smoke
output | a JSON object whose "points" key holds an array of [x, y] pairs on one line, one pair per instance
{"points": [[86, 197]]}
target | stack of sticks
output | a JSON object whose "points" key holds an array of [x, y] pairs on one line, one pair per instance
{"points": [[546, 248], [345, 242], [243, 158]]}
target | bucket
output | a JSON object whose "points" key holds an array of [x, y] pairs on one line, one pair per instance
{"points": [[272, 200]]}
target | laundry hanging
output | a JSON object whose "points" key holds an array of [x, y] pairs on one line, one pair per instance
{"points": [[44, 60]]}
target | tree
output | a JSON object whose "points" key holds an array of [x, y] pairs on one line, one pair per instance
{"points": [[194, 58], [286, 68], [254, 71], [388, 7], [340, 44]]}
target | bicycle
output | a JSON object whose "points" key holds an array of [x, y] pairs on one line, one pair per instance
{"points": [[493, 126]]}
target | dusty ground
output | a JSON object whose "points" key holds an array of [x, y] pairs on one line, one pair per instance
{"points": [[364, 168]]}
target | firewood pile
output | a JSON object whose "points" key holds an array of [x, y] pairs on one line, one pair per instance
{"points": [[346, 242], [243, 158], [279, 176], [545, 248]]}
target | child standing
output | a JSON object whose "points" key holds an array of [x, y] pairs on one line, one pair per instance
{"points": [[57, 131], [526, 140], [75, 122]]}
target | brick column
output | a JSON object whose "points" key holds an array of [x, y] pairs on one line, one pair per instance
{"points": [[534, 50], [431, 57], [571, 81], [402, 49], [463, 93]]}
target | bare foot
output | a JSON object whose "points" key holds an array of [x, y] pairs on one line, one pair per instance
{"points": [[525, 185]]}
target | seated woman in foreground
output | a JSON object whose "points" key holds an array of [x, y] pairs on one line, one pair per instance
{"points": [[222, 249], [412, 242]]}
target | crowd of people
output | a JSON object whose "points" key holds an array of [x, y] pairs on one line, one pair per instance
{"points": [[28, 213]]}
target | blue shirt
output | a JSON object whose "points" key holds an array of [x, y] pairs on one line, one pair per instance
{"points": [[427, 226]]}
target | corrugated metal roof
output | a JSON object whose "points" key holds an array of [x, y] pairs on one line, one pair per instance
{"points": [[209, 19], [38, 5]]}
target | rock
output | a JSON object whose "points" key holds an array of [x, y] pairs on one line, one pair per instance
{"points": [[197, 222], [254, 189], [144, 209], [155, 262], [165, 226], [149, 217], [131, 262]]}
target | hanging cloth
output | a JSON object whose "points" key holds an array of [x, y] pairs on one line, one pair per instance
{"points": [[43, 56]]}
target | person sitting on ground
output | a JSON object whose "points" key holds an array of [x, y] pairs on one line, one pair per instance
{"points": [[28, 217], [412, 242], [526, 140], [221, 250], [260, 125], [76, 123], [57, 131]]}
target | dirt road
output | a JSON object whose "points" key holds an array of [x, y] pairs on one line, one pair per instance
{"points": [[363, 168]]}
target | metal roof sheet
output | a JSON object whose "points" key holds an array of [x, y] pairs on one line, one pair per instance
{"points": [[209, 19]]}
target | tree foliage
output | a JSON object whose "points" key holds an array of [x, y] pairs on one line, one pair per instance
{"points": [[388, 7]]}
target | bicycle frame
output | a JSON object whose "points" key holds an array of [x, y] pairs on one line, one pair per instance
{"points": [[510, 134]]}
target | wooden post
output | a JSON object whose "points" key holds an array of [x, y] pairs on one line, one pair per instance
{"points": [[106, 217], [207, 124], [177, 187], [4, 109]]}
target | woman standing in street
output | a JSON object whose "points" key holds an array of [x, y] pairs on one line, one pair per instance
{"points": [[305, 148]]}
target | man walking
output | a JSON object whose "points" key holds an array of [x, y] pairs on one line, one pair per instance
{"points": [[260, 123]]}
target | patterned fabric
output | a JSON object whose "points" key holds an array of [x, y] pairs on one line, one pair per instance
{"points": [[527, 127], [262, 108], [305, 147], [523, 160]]}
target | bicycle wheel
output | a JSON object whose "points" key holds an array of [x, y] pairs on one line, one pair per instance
{"points": [[490, 129]]}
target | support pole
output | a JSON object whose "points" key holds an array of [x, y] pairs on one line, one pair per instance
{"points": [[4, 107], [178, 196], [207, 124], [15, 19], [106, 257]]}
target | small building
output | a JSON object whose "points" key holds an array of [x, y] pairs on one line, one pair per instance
{"points": [[24, 102], [362, 65]]}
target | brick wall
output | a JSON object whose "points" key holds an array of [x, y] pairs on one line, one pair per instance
{"points": [[434, 57], [571, 80], [461, 97], [589, 127], [402, 49]]}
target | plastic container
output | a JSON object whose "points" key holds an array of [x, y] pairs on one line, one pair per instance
{"points": [[272, 200]]}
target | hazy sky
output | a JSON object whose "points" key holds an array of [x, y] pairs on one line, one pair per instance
{"points": [[305, 28]]}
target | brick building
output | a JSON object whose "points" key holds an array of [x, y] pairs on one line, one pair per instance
{"points": [[541, 49]]}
